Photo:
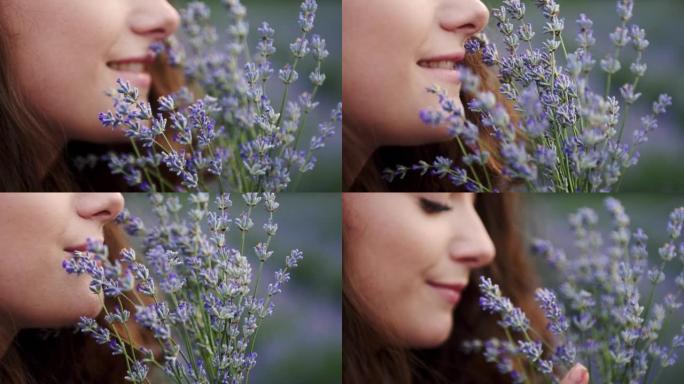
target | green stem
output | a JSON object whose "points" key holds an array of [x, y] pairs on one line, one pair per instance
{"points": [[147, 175], [470, 166]]}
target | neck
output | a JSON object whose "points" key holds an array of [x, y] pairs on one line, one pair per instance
{"points": [[355, 154]]}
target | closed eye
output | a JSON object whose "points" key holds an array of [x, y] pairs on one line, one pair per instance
{"points": [[432, 207]]}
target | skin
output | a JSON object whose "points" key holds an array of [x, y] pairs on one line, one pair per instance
{"points": [[396, 245], [35, 230], [383, 86], [394, 249], [74, 40]]}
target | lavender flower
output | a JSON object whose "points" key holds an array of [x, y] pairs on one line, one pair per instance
{"points": [[553, 312], [194, 292], [566, 136], [605, 316]]}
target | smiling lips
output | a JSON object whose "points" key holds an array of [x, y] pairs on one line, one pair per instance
{"points": [[451, 292], [444, 66], [81, 248], [135, 69]]}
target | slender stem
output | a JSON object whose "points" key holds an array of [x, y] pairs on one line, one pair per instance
{"points": [[512, 341], [147, 175], [284, 99], [121, 341], [470, 166], [624, 115]]}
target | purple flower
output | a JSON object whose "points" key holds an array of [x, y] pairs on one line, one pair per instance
{"points": [[293, 258], [137, 373], [472, 45], [552, 310]]}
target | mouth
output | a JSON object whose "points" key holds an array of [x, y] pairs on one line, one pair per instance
{"points": [[77, 248], [451, 292], [441, 64], [83, 247], [82, 250], [135, 69], [444, 66]]}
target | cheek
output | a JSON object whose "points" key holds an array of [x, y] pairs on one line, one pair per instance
{"points": [[383, 89], [388, 278], [67, 85], [406, 312], [70, 110], [419, 317]]}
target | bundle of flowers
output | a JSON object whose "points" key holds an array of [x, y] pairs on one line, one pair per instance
{"points": [[194, 292]]}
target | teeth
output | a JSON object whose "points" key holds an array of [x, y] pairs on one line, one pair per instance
{"points": [[127, 67], [438, 64]]}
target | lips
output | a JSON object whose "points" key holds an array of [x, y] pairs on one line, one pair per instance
{"points": [[444, 67], [451, 292], [81, 248], [447, 61], [134, 69]]}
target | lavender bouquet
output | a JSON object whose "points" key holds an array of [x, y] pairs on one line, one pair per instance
{"points": [[193, 291], [233, 134], [607, 314], [561, 134]]}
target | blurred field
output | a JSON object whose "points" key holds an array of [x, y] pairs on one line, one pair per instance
{"points": [[302, 341], [546, 217], [661, 167]]}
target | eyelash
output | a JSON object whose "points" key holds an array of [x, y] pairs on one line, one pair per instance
{"points": [[432, 207]]}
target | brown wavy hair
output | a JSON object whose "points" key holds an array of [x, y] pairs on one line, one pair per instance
{"points": [[365, 357], [370, 178], [27, 139], [37, 357]]}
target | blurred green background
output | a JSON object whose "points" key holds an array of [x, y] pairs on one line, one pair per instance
{"points": [[302, 341], [661, 167], [282, 16], [546, 217]]}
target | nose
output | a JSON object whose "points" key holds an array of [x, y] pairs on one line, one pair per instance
{"points": [[101, 207], [471, 244], [154, 18], [463, 16]]}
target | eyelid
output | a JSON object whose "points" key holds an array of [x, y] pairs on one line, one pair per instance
{"points": [[430, 206]]}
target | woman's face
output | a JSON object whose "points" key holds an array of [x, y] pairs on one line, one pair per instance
{"points": [[407, 257], [37, 232], [67, 53], [390, 49]]}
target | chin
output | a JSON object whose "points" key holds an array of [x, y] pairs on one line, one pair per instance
{"points": [[90, 306], [415, 134], [433, 335], [86, 303], [66, 314]]}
